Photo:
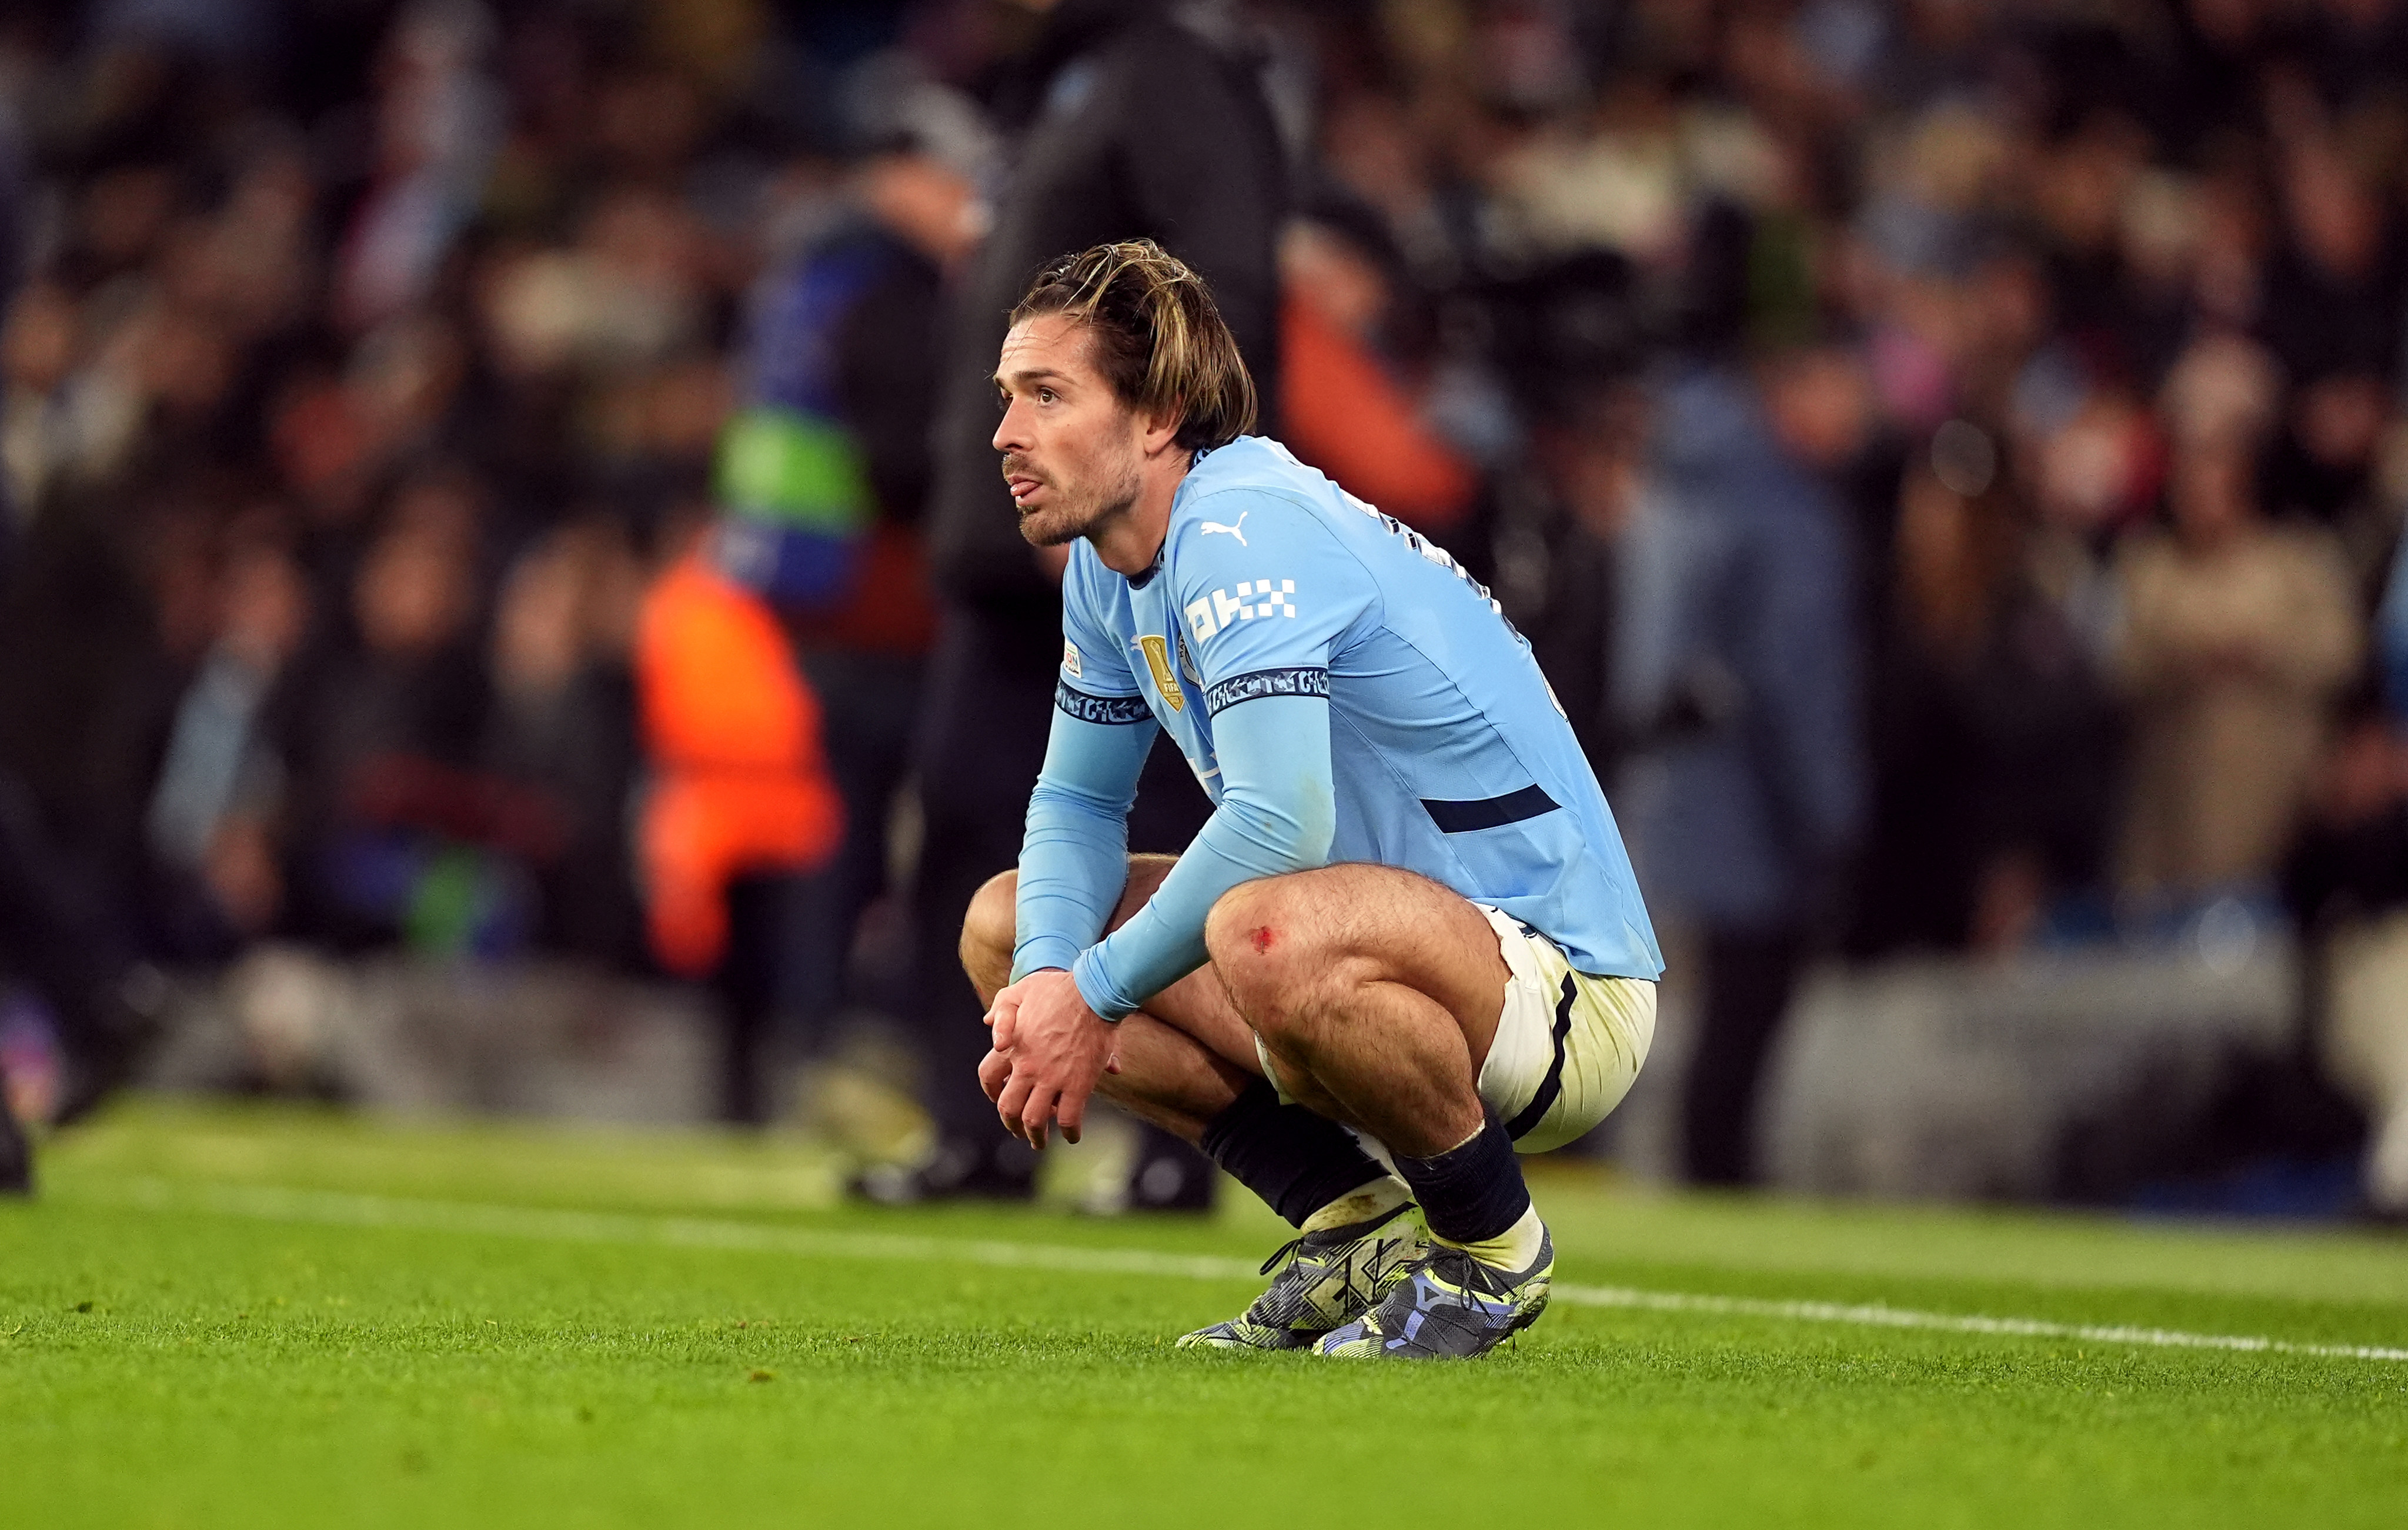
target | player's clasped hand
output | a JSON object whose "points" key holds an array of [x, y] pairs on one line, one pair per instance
{"points": [[1048, 1050]]}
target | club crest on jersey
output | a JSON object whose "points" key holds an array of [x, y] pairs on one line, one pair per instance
{"points": [[1070, 659], [1220, 611], [1157, 659]]}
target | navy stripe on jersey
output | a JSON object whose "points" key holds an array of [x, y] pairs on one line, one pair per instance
{"points": [[1087, 708], [1265, 683], [1489, 812]]}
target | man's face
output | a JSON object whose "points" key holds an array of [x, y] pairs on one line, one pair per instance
{"points": [[1073, 450]]}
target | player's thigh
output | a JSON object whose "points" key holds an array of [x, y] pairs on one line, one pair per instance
{"points": [[1145, 873], [1357, 923]]}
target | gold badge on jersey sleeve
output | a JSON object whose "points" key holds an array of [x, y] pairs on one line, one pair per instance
{"points": [[1157, 658]]}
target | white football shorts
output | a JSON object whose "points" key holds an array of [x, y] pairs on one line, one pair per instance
{"points": [[1569, 1045]]}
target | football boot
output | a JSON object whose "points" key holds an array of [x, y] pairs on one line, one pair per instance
{"points": [[1448, 1306], [1325, 1278]]}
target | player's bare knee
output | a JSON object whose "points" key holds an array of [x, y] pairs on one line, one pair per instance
{"points": [[1264, 957], [987, 933], [1241, 934]]}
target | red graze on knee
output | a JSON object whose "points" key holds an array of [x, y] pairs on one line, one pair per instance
{"points": [[1264, 940]]}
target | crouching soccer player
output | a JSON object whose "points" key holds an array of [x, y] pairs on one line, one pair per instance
{"points": [[1409, 925]]}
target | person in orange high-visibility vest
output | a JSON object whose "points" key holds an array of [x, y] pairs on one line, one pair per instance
{"points": [[739, 796]]}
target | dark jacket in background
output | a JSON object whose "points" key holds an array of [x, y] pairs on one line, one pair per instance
{"points": [[1738, 665], [1736, 671], [1137, 128]]}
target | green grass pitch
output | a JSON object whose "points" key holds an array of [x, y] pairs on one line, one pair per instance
{"points": [[255, 1317]]}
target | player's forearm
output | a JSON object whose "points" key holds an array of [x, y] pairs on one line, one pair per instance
{"points": [[1277, 815], [1074, 854], [1072, 862]]}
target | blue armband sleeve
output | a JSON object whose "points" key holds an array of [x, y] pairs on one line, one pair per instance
{"points": [[1276, 814]]}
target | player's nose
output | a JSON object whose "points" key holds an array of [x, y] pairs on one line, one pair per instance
{"points": [[1010, 432]]}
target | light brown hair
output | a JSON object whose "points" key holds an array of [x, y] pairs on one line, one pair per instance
{"points": [[1159, 339]]}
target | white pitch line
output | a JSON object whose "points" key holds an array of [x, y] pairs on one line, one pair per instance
{"points": [[337, 1208], [1877, 1316]]}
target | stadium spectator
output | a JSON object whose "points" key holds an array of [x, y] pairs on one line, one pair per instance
{"points": [[211, 819], [52, 936], [1348, 409], [823, 475], [1992, 738], [437, 115], [2237, 636], [1738, 675], [2330, 314], [1127, 124], [378, 731], [1590, 452], [2345, 883], [739, 804], [560, 729]]}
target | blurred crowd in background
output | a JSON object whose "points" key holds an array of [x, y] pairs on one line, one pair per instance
{"points": [[478, 473]]}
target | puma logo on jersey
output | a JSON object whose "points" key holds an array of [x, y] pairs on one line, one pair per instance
{"points": [[1220, 611], [1236, 531]]}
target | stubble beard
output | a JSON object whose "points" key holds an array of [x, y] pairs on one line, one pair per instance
{"points": [[1071, 518]]}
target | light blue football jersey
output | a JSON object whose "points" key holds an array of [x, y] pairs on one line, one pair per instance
{"points": [[1339, 678]]}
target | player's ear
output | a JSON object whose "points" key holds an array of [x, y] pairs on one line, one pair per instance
{"points": [[1161, 430]]}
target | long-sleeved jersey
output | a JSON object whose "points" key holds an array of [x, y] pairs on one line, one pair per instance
{"points": [[1344, 691]]}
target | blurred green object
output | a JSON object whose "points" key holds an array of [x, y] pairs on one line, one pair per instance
{"points": [[222, 1316], [464, 900], [785, 465]]}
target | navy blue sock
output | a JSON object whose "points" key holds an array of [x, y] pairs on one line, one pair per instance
{"points": [[1470, 1193], [1297, 1161]]}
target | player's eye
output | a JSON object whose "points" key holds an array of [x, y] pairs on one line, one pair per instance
{"points": [[1045, 396]]}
